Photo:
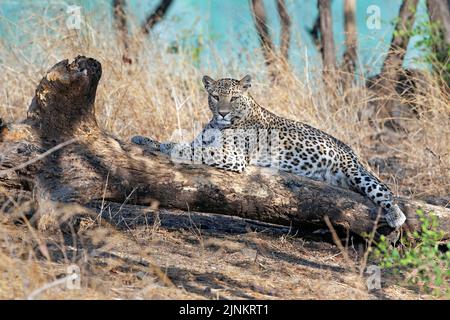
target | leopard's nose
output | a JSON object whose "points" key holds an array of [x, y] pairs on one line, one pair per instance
{"points": [[223, 113]]}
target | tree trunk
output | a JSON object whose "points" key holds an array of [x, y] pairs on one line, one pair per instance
{"points": [[285, 29], [259, 15], [350, 55], [120, 21], [315, 33], [156, 16], [327, 38], [439, 12], [393, 63], [267, 45], [392, 66], [92, 165]]}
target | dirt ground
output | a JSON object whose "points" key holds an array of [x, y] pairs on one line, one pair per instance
{"points": [[144, 255]]}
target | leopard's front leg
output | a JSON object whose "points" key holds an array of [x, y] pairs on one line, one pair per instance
{"points": [[147, 143], [216, 149], [153, 145]]}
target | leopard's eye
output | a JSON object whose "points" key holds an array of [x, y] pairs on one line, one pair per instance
{"points": [[215, 97], [233, 99]]}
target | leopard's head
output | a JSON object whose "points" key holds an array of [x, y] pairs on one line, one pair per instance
{"points": [[228, 100]]}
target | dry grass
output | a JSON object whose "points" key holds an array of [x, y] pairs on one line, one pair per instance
{"points": [[160, 95], [142, 262]]}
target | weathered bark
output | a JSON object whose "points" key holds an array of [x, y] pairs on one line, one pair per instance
{"points": [[350, 55], [94, 166], [285, 29], [156, 16], [327, 40], [392, 66]]}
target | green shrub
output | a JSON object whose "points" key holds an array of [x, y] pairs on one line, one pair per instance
{"points": [[418, 260]]}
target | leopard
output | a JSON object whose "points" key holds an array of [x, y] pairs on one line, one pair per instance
{"points": [[242, 133]]}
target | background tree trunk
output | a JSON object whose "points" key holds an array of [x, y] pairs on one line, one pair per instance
{"points": [[285, 29], [327, 39], [259, 16], [400, 39], [268, 48], [439, 12], [315, 33], [92, 165], [120, 21], [386, 82], [350, 55]]}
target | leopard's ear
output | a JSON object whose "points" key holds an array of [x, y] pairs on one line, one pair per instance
{"points": [[208, 82], [246, 82]]}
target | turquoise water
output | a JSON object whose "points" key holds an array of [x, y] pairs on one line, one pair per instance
{"points": [[225, 27]]}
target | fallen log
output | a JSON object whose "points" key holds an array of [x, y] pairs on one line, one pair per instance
{"points": [[61, 154]]}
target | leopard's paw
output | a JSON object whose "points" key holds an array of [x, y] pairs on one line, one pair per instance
{"points": [[395, 217]]}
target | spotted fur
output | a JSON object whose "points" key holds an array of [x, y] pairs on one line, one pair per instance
{"points": [[233, 140]]}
